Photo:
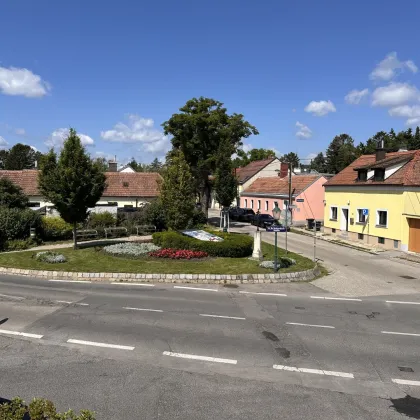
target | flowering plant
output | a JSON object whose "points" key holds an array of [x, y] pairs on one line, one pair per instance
{"points": [[178, 254], [50, 257]]}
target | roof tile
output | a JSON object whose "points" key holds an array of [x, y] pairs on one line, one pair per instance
{"points": [[248, 171], [280, 186]]}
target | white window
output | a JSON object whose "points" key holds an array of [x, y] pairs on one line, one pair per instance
{"points": [[259, 204], [252, 204], [266, 206], [333, 213], [361, 218], [382, 218], [246, 203]]}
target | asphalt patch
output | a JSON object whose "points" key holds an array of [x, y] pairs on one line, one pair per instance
{"points": [[283, 352], [408, 277], [405, 369], [408, 406], [270, 336], [232, 286]]}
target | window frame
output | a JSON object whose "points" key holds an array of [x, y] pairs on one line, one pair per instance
{"points": [[266, 205], [362, 171], [331, 213], [381, 238], [246, 203], [375, 176], [252, 204], [258, 204], [362, 222], [360, 236], [378, 218]]}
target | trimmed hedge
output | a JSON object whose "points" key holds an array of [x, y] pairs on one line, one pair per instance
{"points": [[55, 228], [16, 223], [233, 245]]}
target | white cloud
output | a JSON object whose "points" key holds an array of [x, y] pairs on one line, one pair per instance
{"points": [[303, 131], [20, 131], [57, 137], [355, 96], [395, 94], [412, 113], [3, 142], [320, 108], [246, 147], [138, 130], [22, 82], [388, 68]]}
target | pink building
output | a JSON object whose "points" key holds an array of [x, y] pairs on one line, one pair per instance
{"points": [[307, 196]]}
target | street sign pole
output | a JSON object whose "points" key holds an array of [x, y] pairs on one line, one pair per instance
{"points": [[287, 214], [275, 251], [315, 241]]}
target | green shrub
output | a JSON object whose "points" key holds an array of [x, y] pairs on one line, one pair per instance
{"points": [[130, 220], [101, 220], [16, 223], [19, 244], [155, 215], [199, 219], [55, 228], [233, 245]]}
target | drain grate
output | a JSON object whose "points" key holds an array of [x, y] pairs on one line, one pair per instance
{"points": [[408, 277], [405, 369]]}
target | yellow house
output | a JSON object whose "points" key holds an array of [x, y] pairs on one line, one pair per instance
{"points": [[376, 200]]}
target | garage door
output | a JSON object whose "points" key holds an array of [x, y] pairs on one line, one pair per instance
{"points": [[414, 238]]}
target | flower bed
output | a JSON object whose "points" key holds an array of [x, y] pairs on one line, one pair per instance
{"points": [[282, 262], [50, 257], [131, 249], [179, 254]]}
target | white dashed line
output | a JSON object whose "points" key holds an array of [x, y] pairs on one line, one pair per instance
{"points": [[203, 358], [196, 288], [315, 371], [222, 316], [12, 297], [70, 281], [95, 344], [309, 325], [72, 303], [133, 284], [142, 309], [400, 333], [402, 303], [336, 298], [21, 334], [263, 293], [405, 382]]}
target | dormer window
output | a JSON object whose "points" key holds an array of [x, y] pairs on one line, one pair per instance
{"points": [[379, 174], [362, 175]]}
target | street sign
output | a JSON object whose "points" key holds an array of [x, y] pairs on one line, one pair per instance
{"points": [[275, 229], [300, 200], [293, 206], [365, 212]]}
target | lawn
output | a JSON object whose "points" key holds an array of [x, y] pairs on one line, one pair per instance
{"points": [[91, 260]]}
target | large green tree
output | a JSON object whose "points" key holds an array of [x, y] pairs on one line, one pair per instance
{"points": [[319, 163], [291, 158], [73, 182], [197, 131], [244, 158], [11, 195], [340, 153], [177, 192], [20, 156], [3, 157]]}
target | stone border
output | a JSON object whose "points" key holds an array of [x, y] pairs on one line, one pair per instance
{"points": [[169, 278]]}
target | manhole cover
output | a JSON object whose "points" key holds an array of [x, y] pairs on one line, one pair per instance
{"points": [[408, 277], [270, 336], [233, 286], [299, 307], [405, 369]]}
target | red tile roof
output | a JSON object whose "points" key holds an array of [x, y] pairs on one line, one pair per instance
{"points": [[119, 184], [280, 186], [408, 174], [248, 171]]}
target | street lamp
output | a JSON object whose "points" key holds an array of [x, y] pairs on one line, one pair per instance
{"points": [[276, 216]]}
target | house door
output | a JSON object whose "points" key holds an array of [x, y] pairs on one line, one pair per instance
{"points": [[414, 235], [344, 223]]}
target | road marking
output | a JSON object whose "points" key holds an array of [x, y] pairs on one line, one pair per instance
{"points": [[309, 325], [203, 358], [21, 334], [315, 371], [95, 344], [263, 293], [12, 297], [133, 284], [70, 281], [72, 303], [335, 298], [403, 303], [405, 382], [141, 309], [222, 316], [195, 288], [400, 333]]}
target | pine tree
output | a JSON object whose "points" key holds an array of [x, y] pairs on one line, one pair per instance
{"points": [[319, 163], [416, 139], [73, 182], [340, 153]]}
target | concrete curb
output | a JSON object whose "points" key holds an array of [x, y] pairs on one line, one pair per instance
{"points": [[169, 278]]}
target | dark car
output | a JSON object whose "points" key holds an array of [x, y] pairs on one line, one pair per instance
{"points": [[263, 220], [246, 215], [234, 213]]}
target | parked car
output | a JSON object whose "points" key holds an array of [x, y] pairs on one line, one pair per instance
{"points": [[234, 213], [263, 220], [246, 215]]}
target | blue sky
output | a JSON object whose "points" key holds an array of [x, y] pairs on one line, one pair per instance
{"points": [[116, 70]]}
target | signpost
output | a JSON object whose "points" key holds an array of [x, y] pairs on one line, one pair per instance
{"points": [[365, 212], [276, 229]]}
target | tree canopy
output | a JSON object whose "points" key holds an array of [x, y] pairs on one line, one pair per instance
{"points": [[319, 163], [291, 158], [18, 157], [244, 158], [11, 195], [73, 182], [197, 131]]}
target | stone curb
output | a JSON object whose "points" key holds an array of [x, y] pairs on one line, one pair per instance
{"points": [[169, 278]]}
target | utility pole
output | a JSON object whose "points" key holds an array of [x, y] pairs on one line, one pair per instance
{"points": [[289, 204]]}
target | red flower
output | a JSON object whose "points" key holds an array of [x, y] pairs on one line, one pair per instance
{"points": [[178, 254]]}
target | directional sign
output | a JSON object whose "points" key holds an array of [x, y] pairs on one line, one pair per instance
{"points": [[365, 212], [276, 229], [300, 200]]}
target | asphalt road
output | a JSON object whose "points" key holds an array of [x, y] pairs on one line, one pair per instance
{"points": [[206, 352]]}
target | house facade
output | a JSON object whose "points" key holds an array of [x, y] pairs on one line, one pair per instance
{"points": [[376, 200], [307, 196]]}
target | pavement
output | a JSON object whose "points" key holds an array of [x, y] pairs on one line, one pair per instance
{"points": [[132, 351]]}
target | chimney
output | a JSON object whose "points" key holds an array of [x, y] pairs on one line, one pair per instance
{"points": [[284, 170], [112, 166], [380, 151]]}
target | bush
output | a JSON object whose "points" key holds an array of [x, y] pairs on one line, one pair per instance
{"points": [[16, 223], [178, 254], [101, 220], [19, 244], [282, 262], [199, 219], [130, 220], [155, 215], [39, 409], [130, 249], [50, 257], [232, 246], [55, 228]]}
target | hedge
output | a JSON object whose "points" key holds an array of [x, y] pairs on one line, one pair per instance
{"points": [[232, 246], [55, 228], [16, 223]]}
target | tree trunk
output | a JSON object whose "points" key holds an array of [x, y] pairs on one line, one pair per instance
{"points": [[74, 235], [206, 197]]}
